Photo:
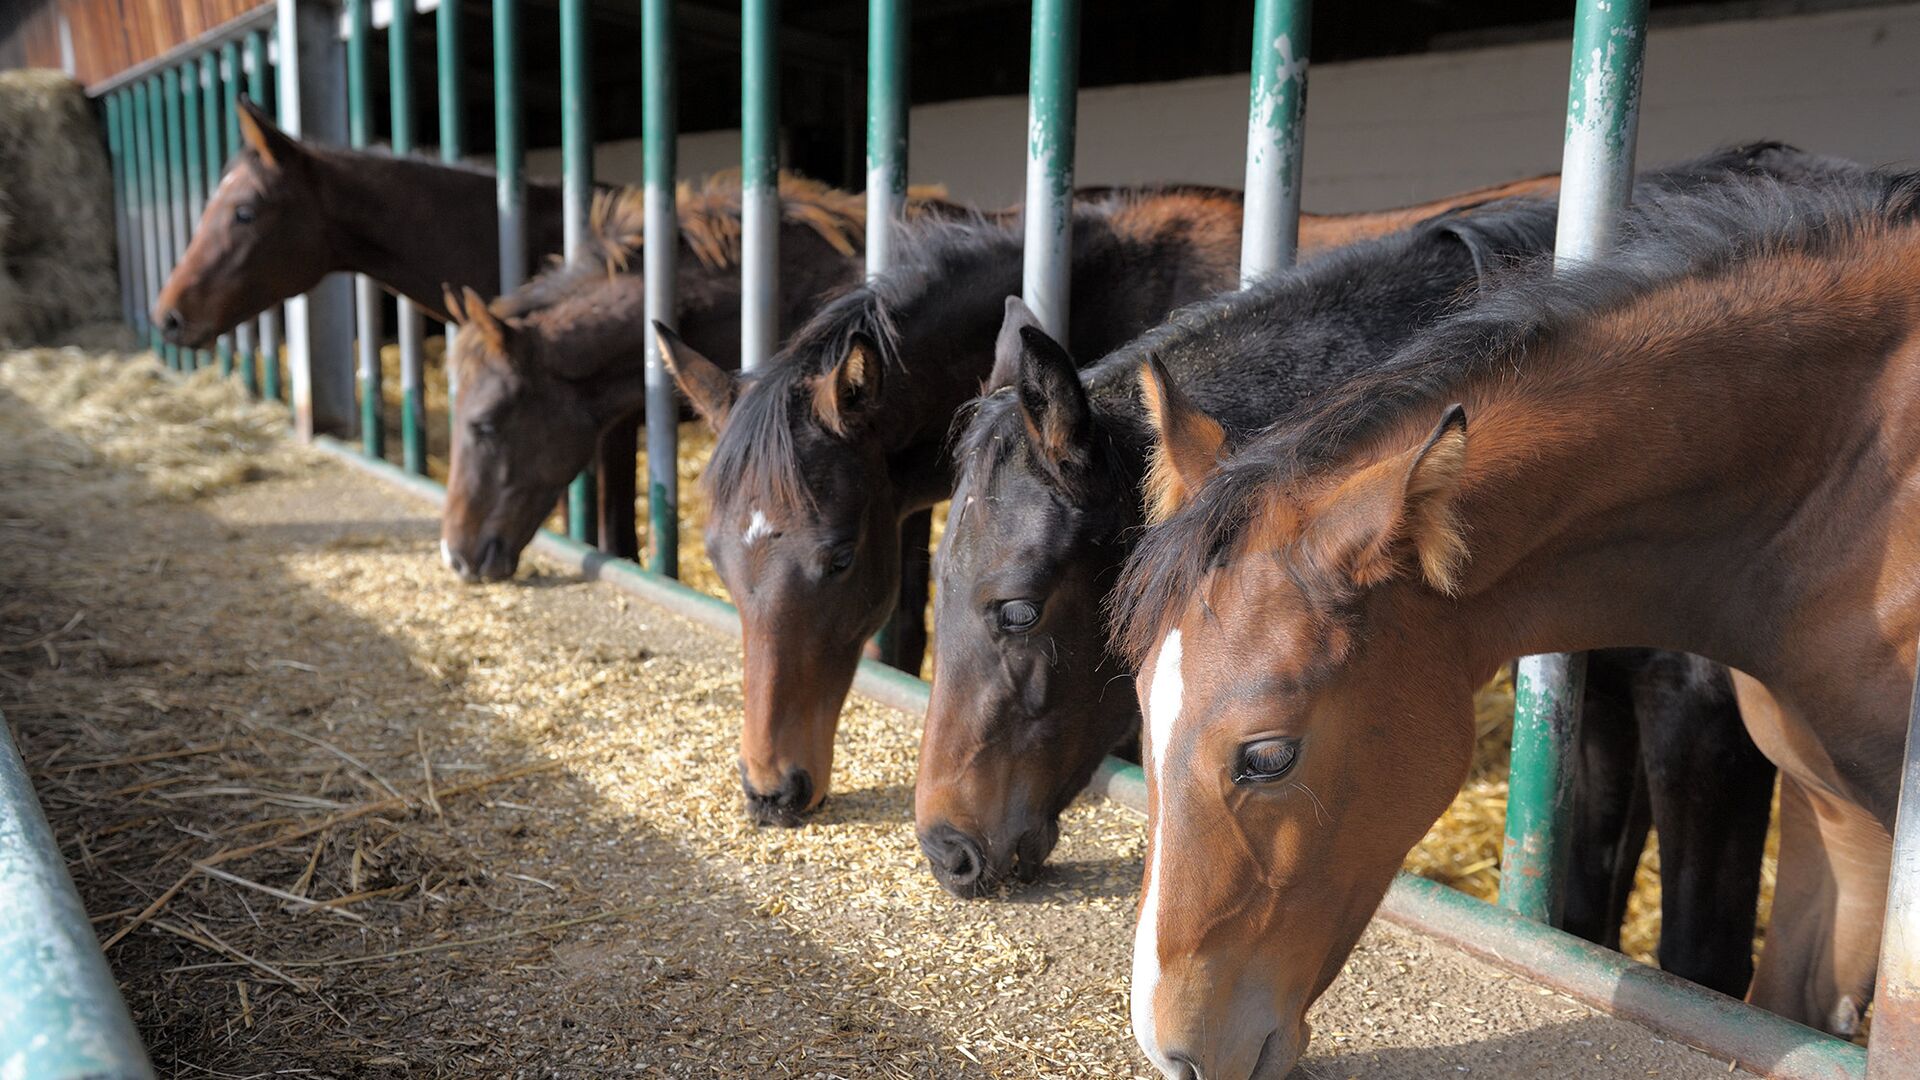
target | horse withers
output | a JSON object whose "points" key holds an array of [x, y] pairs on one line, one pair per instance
{"points": [[289, 213], [1652, 449]]}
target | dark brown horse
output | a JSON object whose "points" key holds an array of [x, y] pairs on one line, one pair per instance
{"points": [[555, 365], [823, 455], [289, 213], [1709, 443]]}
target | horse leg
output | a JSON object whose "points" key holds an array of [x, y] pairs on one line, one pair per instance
{"points": [[903, 641], [1824, 939], [616, 458], [1712, 795], [1610, 813]]}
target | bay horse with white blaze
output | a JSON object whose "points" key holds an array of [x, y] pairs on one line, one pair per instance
{"points": [[289, 213], [1709, 442], [822, 454]]}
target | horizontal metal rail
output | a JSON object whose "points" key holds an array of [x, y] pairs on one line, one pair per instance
{"points": [[1606, 980]]}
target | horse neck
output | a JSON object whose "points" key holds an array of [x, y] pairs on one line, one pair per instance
{"points": [[374, 206], [1676, 487]]}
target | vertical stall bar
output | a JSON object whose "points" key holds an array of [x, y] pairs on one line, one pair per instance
{"points": [[162, 199], [133, 275], [366, 292], [141, 117], [1603, 106], [1276, 135], [1894, 1050], [196, 195], [213, 136], [659, 128], [413, 398], [509, 138], [759, 180], [1052, 86], [446, 42], [267, 326], [887, 22], [116, 156], [176, 191], [243, 337], [576, 187], [169, 81]]}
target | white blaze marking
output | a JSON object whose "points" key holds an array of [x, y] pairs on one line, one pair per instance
{"points": [[1164, 692], [757, 527]]}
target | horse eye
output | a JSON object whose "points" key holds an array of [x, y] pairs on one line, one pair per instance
{"points": [[1264, 760], [1018, 616], [841, 559], [484, 429], [243, 214]]}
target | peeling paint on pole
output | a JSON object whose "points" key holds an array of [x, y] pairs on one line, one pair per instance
{"points": [[1603, 120], [1052, 95], [1276, 137], [887, 24], [659, 129], [1546, 712]]}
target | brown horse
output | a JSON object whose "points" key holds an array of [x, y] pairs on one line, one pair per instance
{"points": [[555, 365], [822, 456], [289, 213], [1708, 443]]}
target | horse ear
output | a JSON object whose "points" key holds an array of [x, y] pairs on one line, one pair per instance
{"points": [[1187, 442], [1403, 502], [491, 328], [1054, 405], [842, 395], [1007, 348], [450, 304], [263, 137], [710, 387]]}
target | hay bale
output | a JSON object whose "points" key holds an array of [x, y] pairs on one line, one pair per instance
{"points": [[57, 247]]}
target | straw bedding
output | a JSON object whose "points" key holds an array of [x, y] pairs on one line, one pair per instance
{"points": [[334, 813], [56, 210]]}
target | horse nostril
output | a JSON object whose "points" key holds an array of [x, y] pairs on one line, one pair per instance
{"points": [[1187, 1069], [171, 325], [956, 860], [786, 804]]}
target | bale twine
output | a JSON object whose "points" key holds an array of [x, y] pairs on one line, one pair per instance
{"points": [[56, 210]]}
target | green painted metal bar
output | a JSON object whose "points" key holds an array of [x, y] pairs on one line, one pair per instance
{"points": [[659, 130], [366, 292], [123, 239], [176, 188], [196, 190], [260, 89], [576, 186], [1603, 105], [453, 118], [62, 1012], [162, 198], [1052, 88], [887, 104], [759, 181], [1894, 1049], [140, 116], [509, 144], [1276, 136], [413, 392], [213, 141], [243, 335]]}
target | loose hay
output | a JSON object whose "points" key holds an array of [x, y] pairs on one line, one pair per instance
{"points": [[57, 251]]}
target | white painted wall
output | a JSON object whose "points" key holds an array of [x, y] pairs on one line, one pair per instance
{"points": [[1398, 130]]}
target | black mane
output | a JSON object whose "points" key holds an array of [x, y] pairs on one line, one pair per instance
{"points": [[1669, 234]]}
